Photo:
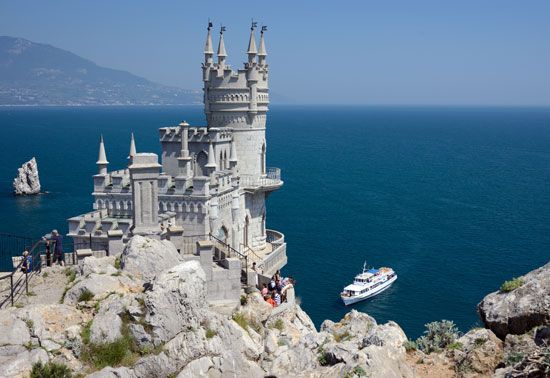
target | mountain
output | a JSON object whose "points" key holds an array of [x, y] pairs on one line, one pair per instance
{"points": [[38, 74]]}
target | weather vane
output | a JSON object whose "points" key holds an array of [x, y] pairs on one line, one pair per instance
{"points": [[209, 24], [222, 29], [264, 28], [254, 25]]}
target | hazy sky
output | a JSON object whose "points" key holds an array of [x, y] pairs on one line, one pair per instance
{"points": [[368, 52]]}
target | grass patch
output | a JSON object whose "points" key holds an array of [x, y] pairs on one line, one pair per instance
{"points": [[63, 295], [513, 358], [71, 274], [342, 336], [455, 345], [85, 333], [244, 300], [45, 275], [357, 371], [279, 324], [210, 333], [18, 305], [85, 296], [513, 284], [116, 274], [50, 370], [240, 320], [281, 342], [29, 323], [31, 294]]}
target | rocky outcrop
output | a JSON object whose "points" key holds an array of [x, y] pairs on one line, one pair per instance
{"points": [[479, 352], [145, 257], [27, 180], [521, 309]]}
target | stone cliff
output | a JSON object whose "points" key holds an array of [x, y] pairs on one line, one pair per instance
{"points": [[129, 316]]}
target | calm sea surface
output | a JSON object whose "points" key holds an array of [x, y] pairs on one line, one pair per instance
{"points": [[456, 200]]}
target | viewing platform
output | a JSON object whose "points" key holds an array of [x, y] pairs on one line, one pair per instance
{"points": [[268, 182], [270, 258]]}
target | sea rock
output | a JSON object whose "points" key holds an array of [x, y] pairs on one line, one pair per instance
{"points": [[145, 257], [27, 180], [519, 310]]}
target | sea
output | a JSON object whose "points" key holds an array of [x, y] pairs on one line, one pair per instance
{"points": [[455, 199]]}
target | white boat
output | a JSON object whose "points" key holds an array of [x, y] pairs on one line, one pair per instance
{"points": [[368, 284]]}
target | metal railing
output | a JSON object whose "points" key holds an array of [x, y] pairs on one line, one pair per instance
{"points": [[229, 251], [272, 177], [18, 283]]}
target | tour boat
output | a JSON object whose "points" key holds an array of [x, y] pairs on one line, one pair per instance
{"points": [[368, 284]]}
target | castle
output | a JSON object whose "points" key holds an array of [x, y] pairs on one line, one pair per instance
{"points": [[210, 189]]}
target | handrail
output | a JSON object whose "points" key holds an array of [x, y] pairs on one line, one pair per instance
{"points": [[241, 256]]}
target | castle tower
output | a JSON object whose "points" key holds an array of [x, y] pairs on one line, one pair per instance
{"points": [[239, 99], [102, 158], [144, 173]]}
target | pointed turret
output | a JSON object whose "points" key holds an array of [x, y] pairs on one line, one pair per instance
{"points": [[132, 149], [262, 53], [233, 152], [252, 45], [211, 158], [102, 159], [222, 54], [208, 50]]}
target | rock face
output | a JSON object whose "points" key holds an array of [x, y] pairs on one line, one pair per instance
{"points": [[27, 180], [519, 310], [145, 257]]}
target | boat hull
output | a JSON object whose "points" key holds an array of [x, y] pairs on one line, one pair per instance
{"points": [[361, 297]]}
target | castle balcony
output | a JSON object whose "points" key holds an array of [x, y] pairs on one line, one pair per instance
{"points": [[270, 258], [268, 182]]}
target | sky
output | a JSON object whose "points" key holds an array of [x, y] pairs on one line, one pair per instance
{"points": [[320, 52]]}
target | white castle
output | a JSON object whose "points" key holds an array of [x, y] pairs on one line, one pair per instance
{"points": [[210, 190]]}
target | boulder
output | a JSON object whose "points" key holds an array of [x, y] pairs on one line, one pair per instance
{"points": [[109, 372], [519, 310], [480, 352], [17, 361], [13, 330], [100, 285], [105, 328], [102, 265], [177, 301], [27, 180], [145, 257]]}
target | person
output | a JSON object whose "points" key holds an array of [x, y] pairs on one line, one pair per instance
{"points": [[58, 254], [277, 276], [264, 290], [26, 266], [255, 273], [277, 297], [269, 299], [272, 284]]}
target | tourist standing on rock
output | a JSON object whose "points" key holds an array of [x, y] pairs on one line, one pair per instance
{"points": [[26, 267], [48, 252], [58, 254]]}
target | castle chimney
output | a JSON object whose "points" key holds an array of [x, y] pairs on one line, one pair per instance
{"points": [[102, 159]]}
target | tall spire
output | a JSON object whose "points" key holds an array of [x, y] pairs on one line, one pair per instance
{"points": [[132, 148], [208, 51], [222, 54], [252, 44], [233, 152], [211, 158], [102, 158], [262, 53]]}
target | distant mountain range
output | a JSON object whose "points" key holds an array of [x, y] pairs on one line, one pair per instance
{"points": [[38, 74]]}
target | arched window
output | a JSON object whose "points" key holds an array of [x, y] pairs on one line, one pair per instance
{"points": [[245, 231], [202, 160], [223, 234], [225, 164], [221, 161]]}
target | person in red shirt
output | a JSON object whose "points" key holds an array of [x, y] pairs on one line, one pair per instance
{"points": [[270, 301]]}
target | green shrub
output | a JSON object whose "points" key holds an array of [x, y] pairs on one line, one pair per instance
{"points": [[455, 345], [513, 284], [513, 358], [50, 370], [117, 262], [437, 336], [85, 333], [121, 352], [410, 345], [322, 357], [279, 324], [479, 341], [45, 274], [244, 300], [85, 296], [210, 333]]}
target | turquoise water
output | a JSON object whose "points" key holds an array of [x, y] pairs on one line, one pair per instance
{"points": [[456, 200]]}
